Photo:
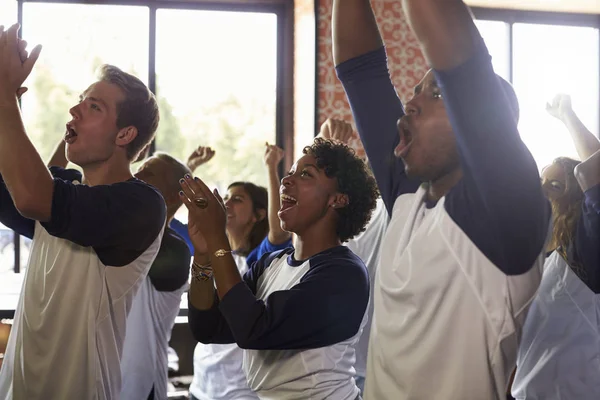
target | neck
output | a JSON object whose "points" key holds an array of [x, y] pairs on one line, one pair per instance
{"points": [[106, 173], [441, 186], [238, 239], [313, 241]]}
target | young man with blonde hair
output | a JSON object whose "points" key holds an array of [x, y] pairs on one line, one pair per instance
{"points": [[95, 234]]}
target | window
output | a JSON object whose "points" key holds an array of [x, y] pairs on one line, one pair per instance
{"points": [[550, 60], [217, 76], [221, 93], [547, 60], [496, 36], [76, 40]]}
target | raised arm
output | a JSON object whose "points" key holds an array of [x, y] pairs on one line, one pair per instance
{"points": [[59, 157], [499, 202], [25, 175], [354, 30], [272, 158], [200, 156], [586, 249], [588, 172], [586, 143], [361, 65]]}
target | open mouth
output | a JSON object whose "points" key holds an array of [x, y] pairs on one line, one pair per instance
{"points": [[287, 202], [70, 135], [406, 139]]}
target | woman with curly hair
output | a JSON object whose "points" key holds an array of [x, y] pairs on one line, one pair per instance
{"points": [[560, 349], [297, 312]]}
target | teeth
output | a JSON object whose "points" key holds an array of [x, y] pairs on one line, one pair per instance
{"points": [[288, 198]]}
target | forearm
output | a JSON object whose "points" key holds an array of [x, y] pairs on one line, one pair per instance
{"points": [[276, 234], [25, 175], [202, 293], [59, 157], [225, 270], [354, 29], [585, 142], [445, 30], [588, 172]]}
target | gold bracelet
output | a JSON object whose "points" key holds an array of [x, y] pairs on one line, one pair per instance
{"points": [[222, 252]]}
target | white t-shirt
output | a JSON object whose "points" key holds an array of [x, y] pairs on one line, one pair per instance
{"points": [[218, 371], [367, 246], [70, 322], [144, 363], [559, 356], [452, 337]]}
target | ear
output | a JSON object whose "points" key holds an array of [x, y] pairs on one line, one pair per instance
{"points": [[126, 135], [261, 214], [340, 200]]}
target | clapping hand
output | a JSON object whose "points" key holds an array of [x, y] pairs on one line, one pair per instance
{"points": [[15, 62]]}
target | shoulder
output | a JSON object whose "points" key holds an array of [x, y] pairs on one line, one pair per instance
{"points": [[66, 174], [339, 259], [173, 241]]}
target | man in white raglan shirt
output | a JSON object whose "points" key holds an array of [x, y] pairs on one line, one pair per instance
{"points": [[365, 245], [94, 235], [462, 255]]}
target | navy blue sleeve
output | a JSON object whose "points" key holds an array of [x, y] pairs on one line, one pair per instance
{"points": [[182, 230], [10, 216], [499, 203], [376, 109], [120, 221], [266, 247], [325, 308], [586, 244], [171, 267], [210, 326]]}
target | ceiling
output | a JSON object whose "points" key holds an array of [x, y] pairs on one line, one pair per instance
{"points": [[575, 6]]}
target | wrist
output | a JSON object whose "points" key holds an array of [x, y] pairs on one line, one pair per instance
{"points": [[201, 259], [567, 116], [218, 242]]}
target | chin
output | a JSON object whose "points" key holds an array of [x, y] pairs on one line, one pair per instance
{"points": [[287, 226]]}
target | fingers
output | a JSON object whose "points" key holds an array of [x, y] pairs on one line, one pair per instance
{"points": [[187, 202], [12, 36], [219, 198], [22, 48], [32, 59]]}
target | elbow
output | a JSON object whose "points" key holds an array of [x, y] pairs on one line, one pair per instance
{"points": [[587, 174], [200, 333], [30, 207], [279, 238]]}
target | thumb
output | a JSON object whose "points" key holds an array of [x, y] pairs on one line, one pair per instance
{"points": [[21, 91]]}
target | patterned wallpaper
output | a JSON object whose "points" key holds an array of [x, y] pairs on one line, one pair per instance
{"points": [[406, 61]]}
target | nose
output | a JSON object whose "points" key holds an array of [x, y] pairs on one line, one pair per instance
{"points": [[546, 188], [411, 108], [74, 111], [287, 181]]}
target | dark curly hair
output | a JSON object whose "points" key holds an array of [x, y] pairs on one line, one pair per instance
{"points": [[354, 180]]}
